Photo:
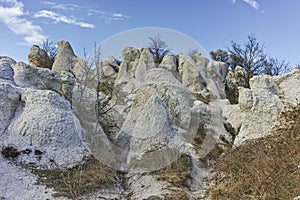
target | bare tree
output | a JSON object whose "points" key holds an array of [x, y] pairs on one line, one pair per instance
{"points": [[250, 56], [158, 47], [275, 67], [104, 90], [50, 48]]}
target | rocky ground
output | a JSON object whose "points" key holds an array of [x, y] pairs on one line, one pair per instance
{"points": [[134, 129]]}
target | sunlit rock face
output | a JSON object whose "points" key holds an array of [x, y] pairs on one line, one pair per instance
{"points": [[262, 105], [36, 117], [39, 57]]}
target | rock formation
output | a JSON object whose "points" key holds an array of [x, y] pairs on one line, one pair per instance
{"points": [[235, 78], [262, 105], [36, 119], [140, 119], [39, 57]]}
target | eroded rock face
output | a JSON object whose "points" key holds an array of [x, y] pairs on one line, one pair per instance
{"points": [[64, 57], [10, 96], [31, 76], [38, 122], [162, 102], [7, 60], [131, 75], [6, 72], [262, 105], [39, 57], [169, 62], [66, 60], [45, 126], [205, 79], [235, 78]]}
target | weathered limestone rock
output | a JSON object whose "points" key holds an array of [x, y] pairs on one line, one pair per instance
{"points": [[146, 62], [231, 114], [130, 76], [7, 60], [217, 72], [66, 60], [135, 64], [130, 54], [191, 77], [64, 57], [169, 63], [39, 57], [200, 60], [31, 76], [235, 78], [262, 105], [110, 68], [10, 96], [45, 126], [6, 72], [158, 116], [200, 78]]}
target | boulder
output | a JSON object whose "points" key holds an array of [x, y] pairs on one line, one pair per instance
{"points": [[46, 130], [190, 73], [37, 122], [201, 79], [130, 54], [169, 62], [110, 68], [145, 63], [39, 57], [34, 77], [64, 58], [262, 105], [231, 114], [135, 64]]}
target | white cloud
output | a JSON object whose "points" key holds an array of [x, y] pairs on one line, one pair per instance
{"points": [[68, 6], [106, 16], [115, 17], [56, 17], [252, 3], [118, 15], [12, 15]]}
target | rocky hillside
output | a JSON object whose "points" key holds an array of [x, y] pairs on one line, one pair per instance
{"points": [[136, 129]]}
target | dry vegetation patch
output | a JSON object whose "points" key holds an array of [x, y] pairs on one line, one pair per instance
{"points": [[267, 168], [177, 174], [81, 179]]}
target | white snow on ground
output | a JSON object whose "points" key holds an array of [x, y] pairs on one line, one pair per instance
{"points": [[17, 183]]}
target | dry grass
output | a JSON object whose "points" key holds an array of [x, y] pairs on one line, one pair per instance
{"points": [[84, 178], [177, 174], [178, 194], [266, 169]]}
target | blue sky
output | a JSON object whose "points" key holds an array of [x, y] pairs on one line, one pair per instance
{"points": [[212, 23]]}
